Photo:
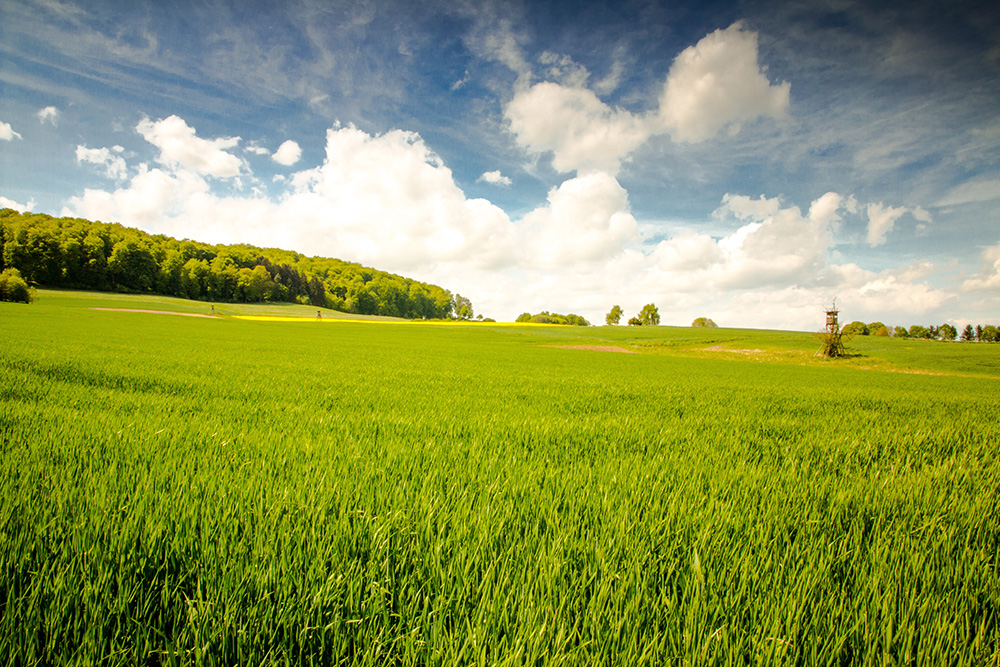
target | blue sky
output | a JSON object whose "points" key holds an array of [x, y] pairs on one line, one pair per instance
{"points": [[745, 161]]}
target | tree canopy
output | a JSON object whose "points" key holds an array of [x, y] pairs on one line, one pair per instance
{"points": [[614, 316], [77, 253], [649, 315], [703, 322]]}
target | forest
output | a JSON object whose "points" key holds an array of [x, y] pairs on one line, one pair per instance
{"points": [[81, 254]]}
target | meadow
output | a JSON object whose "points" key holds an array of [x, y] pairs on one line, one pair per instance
{"points": [[181, 490]]}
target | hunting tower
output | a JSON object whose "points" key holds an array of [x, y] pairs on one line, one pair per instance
{"points": [[831, 344]]}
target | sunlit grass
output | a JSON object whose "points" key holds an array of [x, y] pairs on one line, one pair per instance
{"points": [[224, 491]]}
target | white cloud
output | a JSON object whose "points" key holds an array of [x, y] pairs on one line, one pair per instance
{"points": [[181, 147], [586, 220], [988, 278], [881, 220], [256, 149], [287, 154], [747, 208], [390, 202], [495, 178], [7, 133], [48, 115], [10, 203], [718, 83], [111, 159], [582, 132], [715, 84]]}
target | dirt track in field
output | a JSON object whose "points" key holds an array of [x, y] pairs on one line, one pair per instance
{"points": [[596, 348], [154, 312]]}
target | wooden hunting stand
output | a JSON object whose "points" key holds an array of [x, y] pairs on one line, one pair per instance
{"points": [[831, 344]]}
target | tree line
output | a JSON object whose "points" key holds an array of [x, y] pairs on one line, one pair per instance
{"points": [[77, 253], [545, 317], [947, 332]]}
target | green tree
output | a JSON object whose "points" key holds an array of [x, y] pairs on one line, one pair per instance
{"points": [[614, 316], [855, 328], [703, 322], [968, 333], [132, 265], [649, 315], [194, 278], [917, 331], [873, 328], [13, 287], [523, 317], [947, 332], [635, 321], [990, 334], [900, 332], [979, 332], [463, 308]]}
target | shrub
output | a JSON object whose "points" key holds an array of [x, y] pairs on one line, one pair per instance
{"points": [[13, 287]]}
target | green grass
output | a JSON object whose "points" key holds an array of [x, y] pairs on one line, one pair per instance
{"points": [[195, 491]]}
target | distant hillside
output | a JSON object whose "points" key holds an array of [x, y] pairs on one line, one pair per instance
{"points": [[76, 253]]}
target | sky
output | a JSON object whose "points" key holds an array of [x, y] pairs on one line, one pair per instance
{"points": [[744, 161]]}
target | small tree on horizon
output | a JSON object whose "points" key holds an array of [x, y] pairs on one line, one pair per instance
{"points": [[703, 322], [649, 315], [968, 333], [614, 316]]}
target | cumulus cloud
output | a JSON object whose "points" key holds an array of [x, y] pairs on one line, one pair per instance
{"points": [[881, 220], [385, 200], [10, 203], [495, 178], [717, 83], [586, 220], [988, 278], [287, 154], [7, 133], [582, 132], [48, 115], [389, 201], [109, 158], [181, 147]]}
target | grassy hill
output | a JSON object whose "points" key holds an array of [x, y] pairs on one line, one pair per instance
{"points": [[229, 491]]}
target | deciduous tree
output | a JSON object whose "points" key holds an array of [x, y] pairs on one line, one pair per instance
{"points": [[649, 315]]}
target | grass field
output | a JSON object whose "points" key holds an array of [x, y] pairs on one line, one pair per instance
{"points": [[224, 491]]}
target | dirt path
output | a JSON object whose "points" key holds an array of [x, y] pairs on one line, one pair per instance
{"points": [[154, 312], [596, 348]]}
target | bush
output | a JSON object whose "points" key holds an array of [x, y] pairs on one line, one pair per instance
{"points": [[703, 322], [855, 329], [13, 287]]}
